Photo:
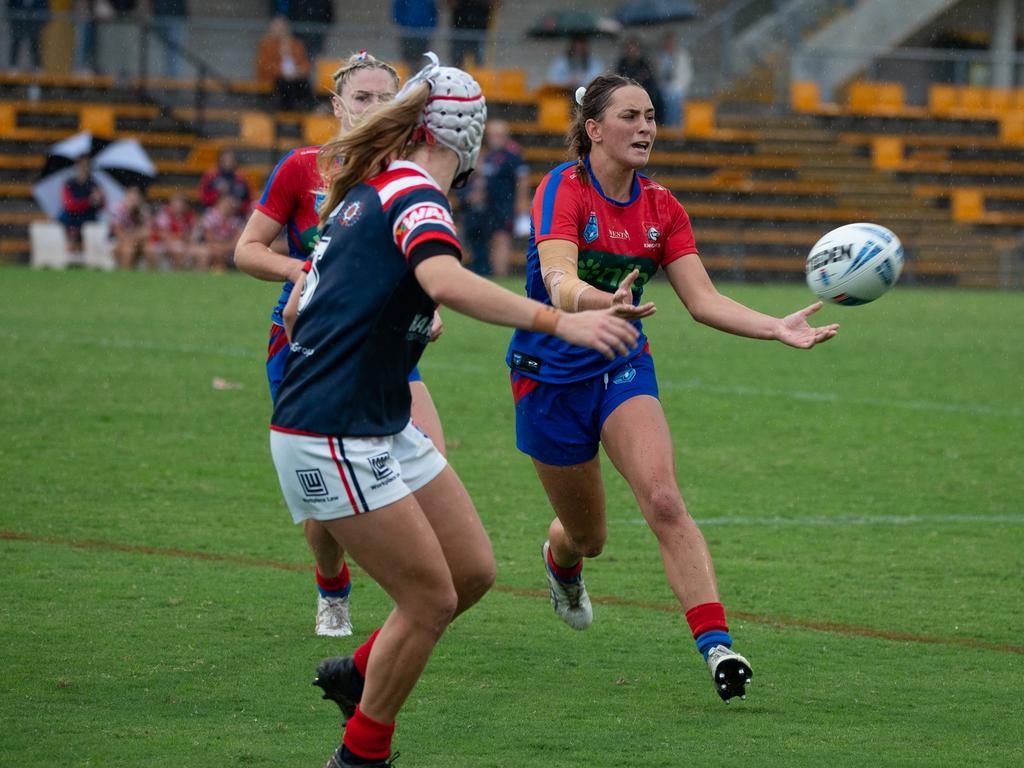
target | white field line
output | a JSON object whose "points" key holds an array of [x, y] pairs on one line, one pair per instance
{"points": [[853, 520], [692, 385]]}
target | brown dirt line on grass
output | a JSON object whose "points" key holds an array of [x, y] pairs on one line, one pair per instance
{"points": [[836, 628]]}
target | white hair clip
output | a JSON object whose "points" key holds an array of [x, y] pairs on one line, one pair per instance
{"points": [[423, 76], [579, 95]]}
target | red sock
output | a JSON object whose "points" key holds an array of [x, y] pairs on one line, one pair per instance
{"points": [[365, 737], [338, 584], [706, 617], [362, 655], [561, 572]]}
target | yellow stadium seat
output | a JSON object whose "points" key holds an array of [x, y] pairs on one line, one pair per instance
{"points": [[804, 96], [999, 100], [699, 118], [968, 204], [97, 120], [553, 111], [972, 99], [941, 99], [257, 129], [319, 129], [886, 152]]}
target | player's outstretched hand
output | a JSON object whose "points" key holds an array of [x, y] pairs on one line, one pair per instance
{"points": [[436, 327], [795, 331], [622, 300], [599, 329]]}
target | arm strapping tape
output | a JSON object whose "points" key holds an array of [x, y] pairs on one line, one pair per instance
{"points": [[559, 270]]}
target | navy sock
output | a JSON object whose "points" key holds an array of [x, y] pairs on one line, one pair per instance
{"points": [[708, 640]]}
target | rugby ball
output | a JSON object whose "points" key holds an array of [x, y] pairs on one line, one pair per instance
{"points": [[854, 264]]}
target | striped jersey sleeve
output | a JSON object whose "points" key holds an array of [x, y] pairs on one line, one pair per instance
{"points": [[557, 206], [417, 211], [281, 193]]}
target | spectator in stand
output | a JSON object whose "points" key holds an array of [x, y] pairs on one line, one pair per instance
{"points": [[504, 174], [217, 234], [84, 15], [312, 19], [26, 20], [129, 224], [416, 20], [470, 19], [576, 67], [170, 18], [282, 60], [636, 66], [674, 69], [83, 200], [225, 180], [171, 232]]}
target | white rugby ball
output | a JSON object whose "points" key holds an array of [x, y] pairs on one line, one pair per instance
{"points": [[854, 264]]}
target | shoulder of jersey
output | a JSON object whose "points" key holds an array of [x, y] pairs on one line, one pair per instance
{"points": [[650, 185], [397, 182]]}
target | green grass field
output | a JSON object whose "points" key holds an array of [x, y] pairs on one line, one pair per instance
{"points": [[862, 503]]}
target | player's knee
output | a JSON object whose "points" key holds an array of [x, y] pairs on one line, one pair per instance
{"points": [[433, 612], [476, 582], [590, 544], [664, 508]]}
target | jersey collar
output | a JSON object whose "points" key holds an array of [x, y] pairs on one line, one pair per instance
{"points": [[633, 195], [408, 164]]}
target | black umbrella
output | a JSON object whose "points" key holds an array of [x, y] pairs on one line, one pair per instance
{"points": [[574, 24], [652, 12], [115, 165]]}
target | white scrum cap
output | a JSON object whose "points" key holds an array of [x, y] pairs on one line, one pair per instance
{"points": [[455, 113]]}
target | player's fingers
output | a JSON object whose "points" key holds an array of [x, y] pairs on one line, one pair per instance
{"points": [[808, 311], [627, 281]]}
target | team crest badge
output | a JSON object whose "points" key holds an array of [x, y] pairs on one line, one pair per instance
{"points": [[590, 232], [351, 214], [318, 200], [653, 233]]}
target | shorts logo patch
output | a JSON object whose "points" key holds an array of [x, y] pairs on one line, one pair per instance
{"points": [[625, 376], [312, 482], [380, 465], [590, 232]]}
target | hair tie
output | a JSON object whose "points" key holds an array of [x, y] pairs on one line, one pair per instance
{"points": [[363, 55], [579, 95]]}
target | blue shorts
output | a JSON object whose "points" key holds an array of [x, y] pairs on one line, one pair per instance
{"points": [[277, 354], [560, 424]]}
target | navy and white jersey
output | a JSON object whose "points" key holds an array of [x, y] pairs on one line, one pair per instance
{"points": [[363, 318]]}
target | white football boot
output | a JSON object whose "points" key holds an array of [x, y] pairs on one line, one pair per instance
{"points": [[730, 672], [570, 600], [332, 617]]}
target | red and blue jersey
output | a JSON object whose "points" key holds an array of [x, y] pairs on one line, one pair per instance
{"points": [[292, 198], [648, 231], [363, 318]]}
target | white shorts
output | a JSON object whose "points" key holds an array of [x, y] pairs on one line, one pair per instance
{"points": [[324, 478]]}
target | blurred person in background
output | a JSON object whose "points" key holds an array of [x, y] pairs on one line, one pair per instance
{"points": [[497, 202], [674, 69], [26, 20], [171, 232], [282, 60], [82, 201], [576, 67], [170, 19], [470, 20], [217, 234], [224, 179], [290, 202], [311, 20], [416, 20], [634, 64], [130, 227]]}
